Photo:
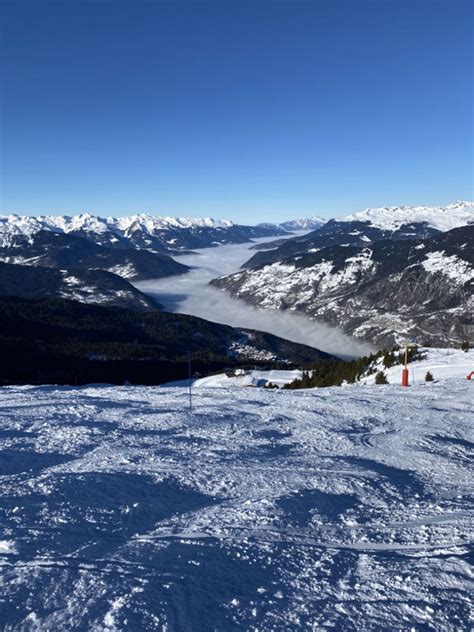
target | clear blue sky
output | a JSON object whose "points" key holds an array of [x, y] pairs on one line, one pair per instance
{"points": [[249, 110]]}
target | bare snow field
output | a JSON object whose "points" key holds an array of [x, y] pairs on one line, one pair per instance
{"points": [[326, 509]]}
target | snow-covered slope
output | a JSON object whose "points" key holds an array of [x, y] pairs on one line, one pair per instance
{"points": [[333, 509], [241, 378], [442, 218], [443, 364], [66, 250], [383, 292], [96, 287]]}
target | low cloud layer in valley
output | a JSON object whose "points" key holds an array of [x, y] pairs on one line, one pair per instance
{"points": [[191, 294]]}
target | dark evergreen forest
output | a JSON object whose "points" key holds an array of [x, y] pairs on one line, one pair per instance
{"points": [[66, 342]]}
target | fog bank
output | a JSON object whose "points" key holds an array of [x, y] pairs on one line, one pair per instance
{"points": [[191, 294]]}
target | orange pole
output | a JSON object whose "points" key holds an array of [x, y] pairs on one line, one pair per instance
{"points": [[405, 369], [405, 377]]}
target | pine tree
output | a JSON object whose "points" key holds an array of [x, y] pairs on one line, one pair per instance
{"points": [[381, 378], [388, 359], [465, 345]]}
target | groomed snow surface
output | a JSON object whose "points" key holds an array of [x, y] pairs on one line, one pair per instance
{"points": [[326, 509]]}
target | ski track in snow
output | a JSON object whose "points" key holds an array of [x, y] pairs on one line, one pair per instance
{"points": [[329, 509]]}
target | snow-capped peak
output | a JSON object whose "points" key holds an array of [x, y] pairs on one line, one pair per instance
{"points": [[306, 223], [150, 223], [442, 218], [83, 222], [14, 225]]}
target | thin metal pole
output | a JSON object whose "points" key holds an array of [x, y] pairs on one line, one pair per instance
{"points": [[190, 383]]}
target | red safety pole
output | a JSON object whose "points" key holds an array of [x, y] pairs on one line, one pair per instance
{"points": [[405, 369], [405, 377]]}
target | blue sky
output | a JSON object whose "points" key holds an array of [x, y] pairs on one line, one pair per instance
{"points": [[249, 110]]}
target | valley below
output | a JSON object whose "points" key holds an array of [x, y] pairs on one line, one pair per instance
{"points": [[191, 294]]}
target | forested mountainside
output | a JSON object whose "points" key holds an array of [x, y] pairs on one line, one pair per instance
{"points": [[65, 342], [86, 286], [384, 291], [66, 250]]}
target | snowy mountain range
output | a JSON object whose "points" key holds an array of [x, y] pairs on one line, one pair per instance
{"points": [[370, 225], [379, 280], [440, 218], [158, 234], [352, 272], [309, 223], [134, 248]]}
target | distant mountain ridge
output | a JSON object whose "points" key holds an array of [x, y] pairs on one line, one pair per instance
{"points": [[170, 234], [369, 226], [158, 234], [440, 218], [298, 225]]}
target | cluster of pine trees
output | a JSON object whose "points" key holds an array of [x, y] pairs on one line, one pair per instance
{"points": [[334, 373]]}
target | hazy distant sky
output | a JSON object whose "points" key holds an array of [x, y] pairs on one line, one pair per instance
{"points": [[254, 110]]}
